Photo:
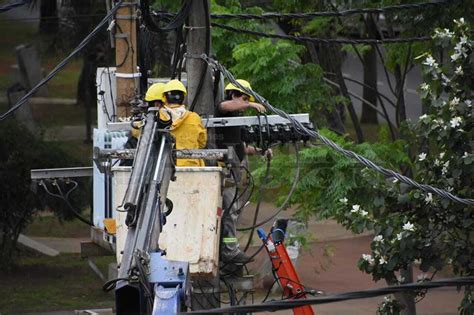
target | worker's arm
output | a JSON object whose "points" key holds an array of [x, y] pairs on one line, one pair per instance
{"points": [[252, 150], [236, 105], [202, 136]]}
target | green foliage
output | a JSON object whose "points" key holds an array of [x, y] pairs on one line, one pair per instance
{"points": [[20, 152], [275, 70], [327, 176], [444, 141]]}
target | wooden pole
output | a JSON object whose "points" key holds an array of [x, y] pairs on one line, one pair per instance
{"points": [[126, 57], [203, 297], [196, 45]]}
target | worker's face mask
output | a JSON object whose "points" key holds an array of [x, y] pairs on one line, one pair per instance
{"points": [[174, 97], [174, 111]]}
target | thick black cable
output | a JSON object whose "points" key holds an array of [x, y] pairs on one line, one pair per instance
{"points": [[300, 128], [284, 205], [309, 15], [259, 202], [63, 63], [306, 39], [12, 5], [110, 285], [363, 294], [177, 20], [64, 197]]}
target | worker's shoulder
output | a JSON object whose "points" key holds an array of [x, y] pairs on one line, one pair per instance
{"points": [[193, 117]]}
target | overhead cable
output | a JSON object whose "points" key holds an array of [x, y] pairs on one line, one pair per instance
{"points": [[353, 295], [63, 63], [306, 39], [286, 202], [177, 20], [309, 15], [300, 128], [12, 5]]}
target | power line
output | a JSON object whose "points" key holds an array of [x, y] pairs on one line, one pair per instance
{"points": [[308, 15], [12, 5], [52, 17], [300, 128], [353, 295], [305, 39], [63, 63]]}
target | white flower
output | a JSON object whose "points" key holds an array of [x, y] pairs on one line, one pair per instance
{"points": [[449, 189], [459, 22], [409, 227], [430, 62], [382, 261], [442, 154], [417, 261], [424, 116], [395, 180], [368, 258], [468, 103], [422, 157], [455, 122], [399, 236], [454, 102], [429, 198], [436, 162], [465, 155], [400, 279], [378, 239], [444, 33], [363, 213], [455, 56], [422, 277], [446, 80], [460, 50], [459, 71], [355, 208], [343, 201], [387, 299], [444, 170], [424, 87], [463, 40]]}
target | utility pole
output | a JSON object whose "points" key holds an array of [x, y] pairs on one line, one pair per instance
{"points": [[127, 74], [203, 297], [196, 46]]}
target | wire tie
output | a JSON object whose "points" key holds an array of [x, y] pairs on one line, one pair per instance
{"points": [[191, 28]]}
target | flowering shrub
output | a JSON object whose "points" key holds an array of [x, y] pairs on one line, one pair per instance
{"points": [[433, 232], [411, 228]]}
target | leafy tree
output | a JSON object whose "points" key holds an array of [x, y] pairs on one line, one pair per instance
{"points": [[411, 228], [20, 151]]}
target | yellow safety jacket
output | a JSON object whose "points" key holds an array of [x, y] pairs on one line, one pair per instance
{"points": [[189, 133]]}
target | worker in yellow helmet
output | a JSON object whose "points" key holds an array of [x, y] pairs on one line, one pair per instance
{"points": [[154, 95], [236, 101], [154, 98], [186, 126]]}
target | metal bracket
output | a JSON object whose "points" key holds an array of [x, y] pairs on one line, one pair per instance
{"points": [[128, 75], [121, 35], [68, 172], [126, 17]]}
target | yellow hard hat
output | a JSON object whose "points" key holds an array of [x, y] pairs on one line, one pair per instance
{"points": [[155, 92], [174, 85], [245, 84]]}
